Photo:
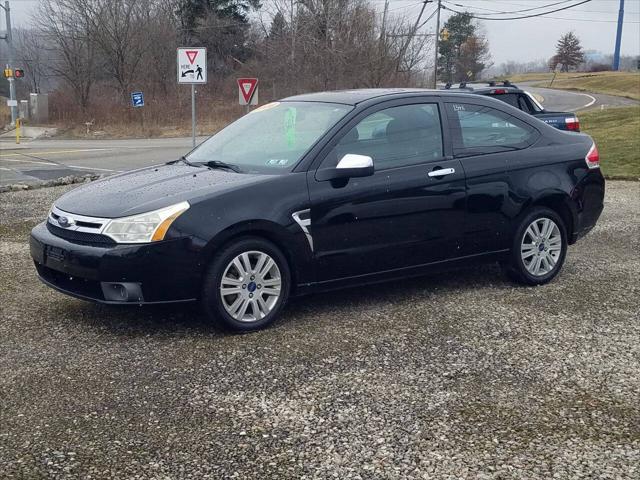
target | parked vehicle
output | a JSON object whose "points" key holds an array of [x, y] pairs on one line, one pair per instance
{"points": [[522, 100], [307, 194]]}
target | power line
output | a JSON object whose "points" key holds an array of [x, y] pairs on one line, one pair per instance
{"points": [[428, 18], [521, 17], [405, 6], [500, 12], [589, 20]]}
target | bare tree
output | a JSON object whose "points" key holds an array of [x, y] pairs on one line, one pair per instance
{"points": [[338, 44], [32, 57], [68, 45], [118, 29], [95, 47], [157, 67]]}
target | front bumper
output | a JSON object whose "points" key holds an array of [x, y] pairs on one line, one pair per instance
{"points": [[167, 271]]}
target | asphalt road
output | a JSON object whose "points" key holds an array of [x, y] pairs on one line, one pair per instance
{"points": [[462, 375], [569, 101], [48, 159], [51, 158]]}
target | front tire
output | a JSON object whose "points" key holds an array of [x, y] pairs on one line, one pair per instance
{"points": [[539, 247], [247, 285]]}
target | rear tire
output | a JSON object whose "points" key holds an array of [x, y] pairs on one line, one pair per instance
{"points": [[246, 286], [539, 248]]}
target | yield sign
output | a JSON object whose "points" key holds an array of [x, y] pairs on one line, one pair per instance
{"points": [[247, 88], [191, 55]]}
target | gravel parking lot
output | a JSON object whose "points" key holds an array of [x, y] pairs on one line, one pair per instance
{"points": [[461, 375]]}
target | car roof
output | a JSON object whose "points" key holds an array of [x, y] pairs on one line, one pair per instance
{"points": [[354, 97]]}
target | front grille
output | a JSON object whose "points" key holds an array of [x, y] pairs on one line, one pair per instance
{"points": [[82, 238]]}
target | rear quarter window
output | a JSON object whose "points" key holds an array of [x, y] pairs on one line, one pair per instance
{"points": [[478, 129]]}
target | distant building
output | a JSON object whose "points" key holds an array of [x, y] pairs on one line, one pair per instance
{"points": [[594, 56]]}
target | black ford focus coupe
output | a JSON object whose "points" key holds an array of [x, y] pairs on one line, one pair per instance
{"points": [[327, 190]]}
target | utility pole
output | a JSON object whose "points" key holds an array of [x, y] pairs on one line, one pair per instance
{"points": [[435, 60], [410, 36], [383, 30], [616, 52], [9, 39]]}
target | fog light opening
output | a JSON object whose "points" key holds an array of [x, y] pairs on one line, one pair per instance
{"points": [[122, 292]]}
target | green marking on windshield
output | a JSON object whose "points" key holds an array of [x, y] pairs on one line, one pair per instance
{"points": [[290, 126]]}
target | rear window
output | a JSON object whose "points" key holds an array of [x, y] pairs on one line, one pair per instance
{"points": [[517, 100]]}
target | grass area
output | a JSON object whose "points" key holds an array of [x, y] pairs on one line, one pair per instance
{"points": [[623, 84], [527, 77], [617, 134]]}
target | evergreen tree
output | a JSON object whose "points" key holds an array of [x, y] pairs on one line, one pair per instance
{"points": [[463, 51], [190, 11], [278, 27], [568, 53], [219, 25]]}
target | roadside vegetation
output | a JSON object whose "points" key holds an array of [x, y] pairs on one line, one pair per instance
{"points": [[617, 134], [89, 55]]}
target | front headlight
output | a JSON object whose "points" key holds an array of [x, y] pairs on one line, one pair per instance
{"points": [[145, 227]]}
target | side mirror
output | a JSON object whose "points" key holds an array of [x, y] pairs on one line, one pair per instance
{"points": [[349, 166]]}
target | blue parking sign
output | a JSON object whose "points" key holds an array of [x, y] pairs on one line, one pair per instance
{"points": [[137, 99]]}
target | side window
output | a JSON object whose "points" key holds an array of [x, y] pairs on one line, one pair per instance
{"points": [[478, 129], [394, 137]]}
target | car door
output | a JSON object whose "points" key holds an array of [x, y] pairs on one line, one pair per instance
{"points": [[484, 138], [403, 215]]}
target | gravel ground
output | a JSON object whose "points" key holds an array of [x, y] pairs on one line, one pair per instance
{"points": [[462, 375]]}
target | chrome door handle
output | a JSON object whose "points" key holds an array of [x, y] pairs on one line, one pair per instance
{"points": [[442, 172]]}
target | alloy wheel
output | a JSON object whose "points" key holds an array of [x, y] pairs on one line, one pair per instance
{"points": [[250, 286], [541, 246]]}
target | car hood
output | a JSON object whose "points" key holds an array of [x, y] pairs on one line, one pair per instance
{"points": [[150, 188]]}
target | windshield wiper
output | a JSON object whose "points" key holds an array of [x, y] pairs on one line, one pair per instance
{"points": [[219, 164], [184, 160]]}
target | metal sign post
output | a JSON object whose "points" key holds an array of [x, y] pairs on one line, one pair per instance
{"points": [[193, 115], [192, 69], [137, 102]]}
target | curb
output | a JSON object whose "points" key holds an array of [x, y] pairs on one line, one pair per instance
{"points": [[68, 180]]}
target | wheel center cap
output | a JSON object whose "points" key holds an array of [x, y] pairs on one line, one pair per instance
{"points": [[251, 287], [541, 247]]}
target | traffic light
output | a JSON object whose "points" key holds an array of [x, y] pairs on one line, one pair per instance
{"points": [[8, 73], [18, 73], [444, 34]]}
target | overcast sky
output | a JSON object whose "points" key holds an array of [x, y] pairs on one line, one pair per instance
{"points": [[521, 40]]}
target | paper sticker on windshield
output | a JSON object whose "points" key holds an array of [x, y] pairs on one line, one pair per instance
{"points": [[277, 162], [268, 106], [290, 126], [458, 108]]}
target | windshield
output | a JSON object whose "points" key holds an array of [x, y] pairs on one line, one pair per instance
{"points": [[272, 138]]}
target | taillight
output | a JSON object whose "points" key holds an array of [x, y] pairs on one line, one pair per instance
{"points": [[573, 124], [593, 157], [498, 91]]}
